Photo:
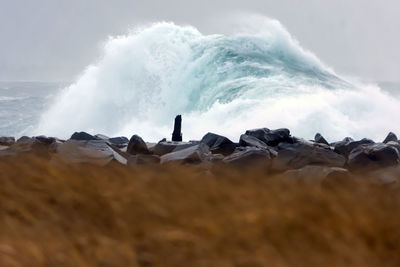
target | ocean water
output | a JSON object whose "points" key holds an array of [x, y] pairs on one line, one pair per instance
{"points": [[23, 103], [221, 83]]}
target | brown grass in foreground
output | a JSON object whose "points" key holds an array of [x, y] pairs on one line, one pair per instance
{"points": [[115, 216]]}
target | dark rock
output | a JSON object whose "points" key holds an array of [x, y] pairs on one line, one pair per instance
{"points": [[302, 153], [315, 173], [119, 141], [250, 157], [218, 144], [40, 145], [177, 134], [102, 137], [373, 156], [6, 141], [137, 146], [347, 145], [388, 175], [247, 140], [83, 136], [45, 140], [270, 137], [390, 137], [194, 154], [96, 152], [320, 139], [165, 147], [141, 159], [394, 144]]}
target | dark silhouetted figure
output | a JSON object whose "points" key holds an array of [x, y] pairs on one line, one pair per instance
{"points": [[177, 135]]}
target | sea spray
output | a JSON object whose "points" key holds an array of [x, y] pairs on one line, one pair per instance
{"points": [[220, 83]]}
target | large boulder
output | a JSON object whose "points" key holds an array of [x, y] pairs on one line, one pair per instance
{"points": [[248, 140], [194, 154], [270, 137], [39, 145], [6, 141], [120, 141], [250, 157], [96, 152], [164, 147], [373, 156], [345, 146], [388, 176], [302, 153], [391, 137], [394, 144], [316, 174], [320, 139], [83, 136], [219, 144], [137, 146]]}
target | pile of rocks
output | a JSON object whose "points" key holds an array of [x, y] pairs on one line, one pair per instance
{"points": [[273, 151]]}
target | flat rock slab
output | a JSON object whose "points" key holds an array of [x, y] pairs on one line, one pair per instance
{"points": [[303, 153], [248, 140], [316, 174], [250, 157], [193, 154], [79, 151], [166, 147]]}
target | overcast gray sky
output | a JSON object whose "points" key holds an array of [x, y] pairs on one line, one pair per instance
{"points": [[53, 40]]}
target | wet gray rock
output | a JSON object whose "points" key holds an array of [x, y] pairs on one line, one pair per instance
{"points": [[6, 141], [302, 153], [348, 144], [390, 137], [102, 137], [83, 136], [41, 145], [141, 159], [219, 144], [387, 176], [248, 140], [45, 140], [137, 146], [373, 156], [96, 152], [316, 173], [320, 139], [271, 137], [119, 141], [165, 147], [194, 154], [394, 144], [250, 157]]}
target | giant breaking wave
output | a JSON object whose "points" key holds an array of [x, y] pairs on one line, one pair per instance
{"points": [[220, 83]]}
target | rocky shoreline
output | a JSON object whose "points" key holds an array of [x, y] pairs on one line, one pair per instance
{"points": [[273, 151]]}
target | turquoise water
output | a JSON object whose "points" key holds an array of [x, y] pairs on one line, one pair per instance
{"points": [[220, 83]]}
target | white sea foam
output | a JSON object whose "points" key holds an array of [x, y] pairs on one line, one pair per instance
{"points": [[220, 83]]}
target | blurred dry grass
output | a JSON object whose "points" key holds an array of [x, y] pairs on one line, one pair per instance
{"points": [[115, 216]]}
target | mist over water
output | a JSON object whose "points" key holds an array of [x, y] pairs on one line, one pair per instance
{"points": [[220, 83]]}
